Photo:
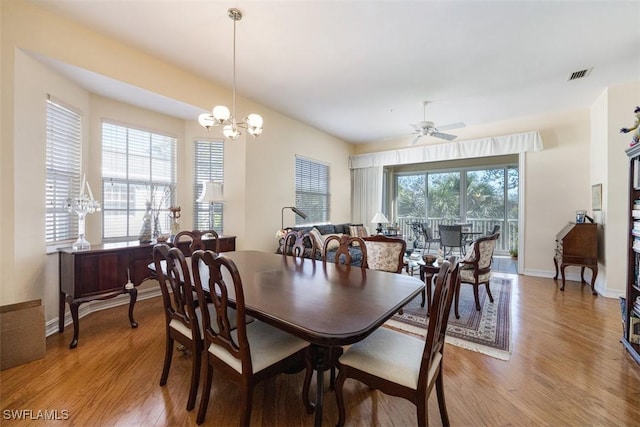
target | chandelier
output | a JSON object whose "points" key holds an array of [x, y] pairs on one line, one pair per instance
{"points": [[220, 115]]}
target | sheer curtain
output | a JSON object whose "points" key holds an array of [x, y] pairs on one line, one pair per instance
{"points": [[366, 192]]}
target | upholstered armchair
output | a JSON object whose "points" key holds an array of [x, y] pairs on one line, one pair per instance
{"points": [[476, 267], [385, 253]]}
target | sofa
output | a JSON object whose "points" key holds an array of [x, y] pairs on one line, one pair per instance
{"points": [[322, 231]]}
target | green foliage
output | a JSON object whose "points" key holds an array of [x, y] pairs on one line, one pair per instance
{"points": [[441, 198]]}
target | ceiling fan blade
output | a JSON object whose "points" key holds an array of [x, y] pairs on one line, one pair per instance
{"points": [[414, 140], [443, 136], [452, 126]]}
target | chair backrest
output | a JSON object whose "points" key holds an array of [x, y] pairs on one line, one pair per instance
{"points": [[385, 253], [450, 235], [482, 254], [173, 275], [428, 231], [224, 279], [293, 244], [190, 241], [342, 255], [446, 282]]}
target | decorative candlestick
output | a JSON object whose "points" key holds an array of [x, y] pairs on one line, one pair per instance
{"points": [[82, 205]]}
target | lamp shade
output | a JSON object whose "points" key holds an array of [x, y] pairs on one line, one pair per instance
{"points": [[379, 218], [211, 192]]}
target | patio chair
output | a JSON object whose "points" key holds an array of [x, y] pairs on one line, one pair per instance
{"points": [[451, 237]]}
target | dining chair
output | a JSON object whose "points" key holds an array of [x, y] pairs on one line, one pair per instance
{"points": [[401, 365], [190, 241], [384, 253], [451, 237], [475, 268], [181, 320], [248, 354], [343, 252], [293, 243]]}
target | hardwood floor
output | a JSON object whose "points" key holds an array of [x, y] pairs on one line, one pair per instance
{"points": [[567, 368]]}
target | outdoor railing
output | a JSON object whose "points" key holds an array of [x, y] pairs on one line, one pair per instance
{"points": [[508, 234]]}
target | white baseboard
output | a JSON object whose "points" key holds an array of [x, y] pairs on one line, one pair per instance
{"points": [[93, 306]]}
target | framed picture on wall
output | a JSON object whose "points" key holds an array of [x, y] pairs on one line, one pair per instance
{"points": [[596, 197]]}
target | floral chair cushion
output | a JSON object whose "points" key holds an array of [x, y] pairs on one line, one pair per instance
{"points": [[383, 255], [486, 249]]}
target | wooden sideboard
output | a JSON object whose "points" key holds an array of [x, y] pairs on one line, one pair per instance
{"points": [[103, 272], [577, 244]]}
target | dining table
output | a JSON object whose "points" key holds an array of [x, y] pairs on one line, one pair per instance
{"points": [[329, 305]]}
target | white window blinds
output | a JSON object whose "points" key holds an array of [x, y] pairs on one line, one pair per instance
{"points": [[312, 190], [208, 164], [63, 163], [138, 166]]}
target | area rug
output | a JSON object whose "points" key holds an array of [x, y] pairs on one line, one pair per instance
{"points": [[487, 331]]}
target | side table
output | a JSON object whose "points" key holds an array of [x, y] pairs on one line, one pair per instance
{"points": [[427, 273]]}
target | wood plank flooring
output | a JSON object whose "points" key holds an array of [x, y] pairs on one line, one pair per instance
{"points": [[567, 368]]}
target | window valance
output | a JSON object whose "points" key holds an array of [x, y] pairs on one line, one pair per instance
{"points": [[484, 147]]}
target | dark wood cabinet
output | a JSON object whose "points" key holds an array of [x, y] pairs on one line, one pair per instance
{"points": [[103, 272], [631, 308], [577, 244]]}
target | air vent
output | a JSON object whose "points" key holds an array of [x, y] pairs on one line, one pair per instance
{"points": [[579, 74]]}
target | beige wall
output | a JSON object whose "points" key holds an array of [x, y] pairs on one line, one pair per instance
{"points": [[613, 110], [556, 180], [259, 176]]}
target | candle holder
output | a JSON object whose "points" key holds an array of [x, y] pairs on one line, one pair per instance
{"points": [[82, 205]]}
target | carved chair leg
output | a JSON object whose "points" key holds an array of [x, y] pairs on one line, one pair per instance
{"points": [[488, 291], [168, 354], [206, 392], [195, 377], [444, 415], [476, 296]]}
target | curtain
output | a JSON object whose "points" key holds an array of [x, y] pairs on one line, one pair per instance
{"points": [[366, 191], [484, 147]]}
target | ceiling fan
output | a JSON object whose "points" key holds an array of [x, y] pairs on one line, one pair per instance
{"points": [[425, 128]]}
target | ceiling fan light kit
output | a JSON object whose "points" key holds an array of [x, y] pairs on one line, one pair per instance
{"points": [[221, 115], [428, 128]]}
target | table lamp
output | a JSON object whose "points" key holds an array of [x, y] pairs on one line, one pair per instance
{"points": [[212, 192], [380, 219]]}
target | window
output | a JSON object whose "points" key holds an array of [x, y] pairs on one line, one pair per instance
{"points": [[208, 163], [63, 169], [312, 190], [481, 196], [137, 167]]}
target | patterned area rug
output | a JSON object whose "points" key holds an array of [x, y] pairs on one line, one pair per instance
{"points": [[487, 331]]}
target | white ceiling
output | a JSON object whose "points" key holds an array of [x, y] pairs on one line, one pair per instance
{"points": [[359, 70]]}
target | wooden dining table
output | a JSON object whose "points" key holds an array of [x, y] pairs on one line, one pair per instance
{"points": [[326, 304]]}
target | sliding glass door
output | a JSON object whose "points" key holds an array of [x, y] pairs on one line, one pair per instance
{"points": [[483, 198]]}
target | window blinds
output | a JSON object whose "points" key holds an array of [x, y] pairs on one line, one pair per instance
{"points": [[137, 166], [63, 163], [208, 165], [312, 190]]}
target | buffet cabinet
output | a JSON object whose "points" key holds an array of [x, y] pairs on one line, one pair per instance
{"points": [[108, 270], [631, 305]]}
